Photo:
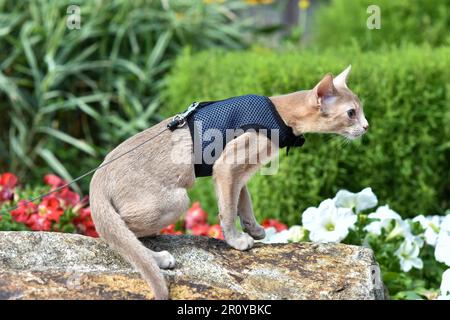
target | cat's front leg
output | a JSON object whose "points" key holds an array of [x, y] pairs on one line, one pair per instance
{"points": [[240, 159], [230, 174], [247, 217]]}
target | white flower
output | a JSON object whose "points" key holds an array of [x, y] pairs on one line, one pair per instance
{"points": [[296, 233], [445, 286], [281, 237], [431, 226], [408, 253], [362, 200], [270, 232], [442, 251], [416, 240], [385, 215], [328, 223], [272, 236], [402, 228]]}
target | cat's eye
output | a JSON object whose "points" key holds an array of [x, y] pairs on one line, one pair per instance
{"points": [[351, 113]]}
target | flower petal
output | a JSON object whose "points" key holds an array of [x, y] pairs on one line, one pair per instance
{"points": [[366, 199], [345, 199], [374, 228], [385, 213], [296, 233], [442, 250], [445, 284], [309, 218]]}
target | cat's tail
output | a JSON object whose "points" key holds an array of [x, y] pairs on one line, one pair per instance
{"points": [[113, 229]]}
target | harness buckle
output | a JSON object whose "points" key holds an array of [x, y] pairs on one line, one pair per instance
{"points": [[189, 110], [179, 120]]}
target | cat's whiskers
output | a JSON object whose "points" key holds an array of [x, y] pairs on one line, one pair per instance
{"points": [[343, 142]]}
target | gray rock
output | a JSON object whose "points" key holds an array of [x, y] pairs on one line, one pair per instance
{"points": [[41, 265]]}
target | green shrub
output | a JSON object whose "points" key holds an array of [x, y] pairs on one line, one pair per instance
{"points": [[405, 156], [343, 23], [92, 87]]}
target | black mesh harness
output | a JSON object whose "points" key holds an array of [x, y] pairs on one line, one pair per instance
{"points": [[215, 123]]}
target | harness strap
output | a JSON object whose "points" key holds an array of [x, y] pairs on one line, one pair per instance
{"points": [[179, 121]]}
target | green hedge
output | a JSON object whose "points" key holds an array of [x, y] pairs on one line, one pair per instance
{"points": [[405, 157], [343, 23]]}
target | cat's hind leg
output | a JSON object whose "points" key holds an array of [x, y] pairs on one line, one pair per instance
{"points": [[151, 213]]}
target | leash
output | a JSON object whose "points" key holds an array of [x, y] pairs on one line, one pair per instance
{"points": [[178, 121]]}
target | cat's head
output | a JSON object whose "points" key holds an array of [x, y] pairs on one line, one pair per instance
{"points": [[338, 109]]}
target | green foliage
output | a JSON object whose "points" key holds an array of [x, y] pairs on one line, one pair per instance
{"points": [[83, 91], [415, 284], [404, 157], [7, 223], [343, 23]]}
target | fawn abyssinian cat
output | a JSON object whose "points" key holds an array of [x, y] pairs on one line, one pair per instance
{"points": [[145, 191]]}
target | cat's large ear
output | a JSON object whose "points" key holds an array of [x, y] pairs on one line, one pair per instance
{"points": [[341, 79], [325, 88]]}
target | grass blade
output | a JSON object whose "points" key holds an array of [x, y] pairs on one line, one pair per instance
{"points": [[77, 143], [56, 165]]}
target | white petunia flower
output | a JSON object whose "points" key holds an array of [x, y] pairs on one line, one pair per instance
{"points": [[442, 250], [384, 215], [431, 226], [416, 240], [272, 236], [328, 223], [281, 237], [445, 286], [408, 253], [362, 200], [402, 228], [270, 233], [296, 233]]}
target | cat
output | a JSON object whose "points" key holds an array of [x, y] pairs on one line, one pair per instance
{"points": [[145, 191]]}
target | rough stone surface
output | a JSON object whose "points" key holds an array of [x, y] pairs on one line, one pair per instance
{"points": [[41, 265]]}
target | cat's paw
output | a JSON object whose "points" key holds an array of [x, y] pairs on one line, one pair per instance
{"points": [[164, 260], [241, 242], [256, 232]]}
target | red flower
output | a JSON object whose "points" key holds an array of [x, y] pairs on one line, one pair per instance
{"points": [[5, 194], [215, 231], [68, 198], [50, 209], [84, 223], [267, 223], [24, 211], [8, 182], [195, 216], [37, 222], [200, 229], [170, 229], [91, 232], [38, 217], [54, 181]]}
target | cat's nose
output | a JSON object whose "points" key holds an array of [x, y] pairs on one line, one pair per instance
{"points": [[366, 127]]}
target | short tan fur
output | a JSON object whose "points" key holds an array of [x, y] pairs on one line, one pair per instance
{"points": [[145, 190]]}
